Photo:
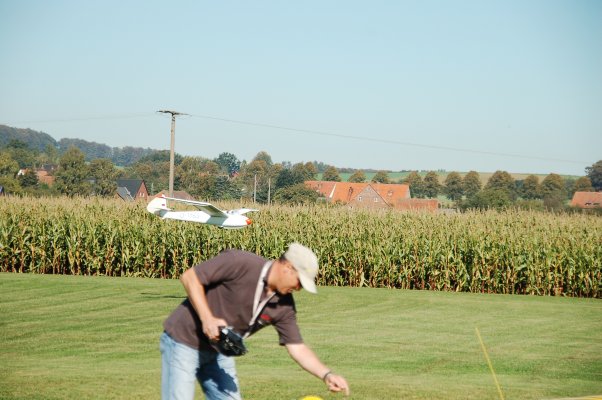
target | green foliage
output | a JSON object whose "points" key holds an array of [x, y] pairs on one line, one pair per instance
{"points": [[105, 177], [502, 181], [158, 157], [331, 174], [10, 185], [583, 184], [381, 177], [37, 141], [594, 173], [228, 162], [8, 166], [216, 187], [296, 194], [414, 181], [357, 177], [553, 191], [530, 188], [265, 157], [471, 183], [488, 199], [21, 153], [432, 187], [29, 179], [286, 178], [72, 176], [454, 188]]}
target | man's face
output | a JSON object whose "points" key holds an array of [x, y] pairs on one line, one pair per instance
{"points": [[289, 280]]}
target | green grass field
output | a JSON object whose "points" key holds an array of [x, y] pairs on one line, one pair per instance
{"points": [[74, 337]]}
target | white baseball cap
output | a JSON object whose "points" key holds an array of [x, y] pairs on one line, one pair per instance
{"points": [[306, 263]]}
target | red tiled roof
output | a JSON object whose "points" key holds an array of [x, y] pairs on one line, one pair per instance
{"points": [[587, 199], [346, 191]]}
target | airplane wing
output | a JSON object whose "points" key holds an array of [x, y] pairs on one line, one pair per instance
{"points": [[241, 211], [201, 205]]}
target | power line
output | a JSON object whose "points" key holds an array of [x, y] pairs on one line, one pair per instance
{"points": [[389, 141], [313, 132]]}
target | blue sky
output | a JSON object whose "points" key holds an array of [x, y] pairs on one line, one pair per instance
{"points": [[455, 85]]}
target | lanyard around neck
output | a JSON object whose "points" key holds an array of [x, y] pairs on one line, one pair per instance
{"points": [[257, 306]]}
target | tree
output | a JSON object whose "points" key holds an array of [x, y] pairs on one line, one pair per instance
{"points": [[381, 177], [311, 169], [331, 174], [358, 177], [530, 189], [303, 172], [414, 181], [29, 179], [552, 184], [286, 177], [8, 166], [254, 178], [21, 153], [553, 191], [264, 156], [432, 187], [10, 185], [488, 198], [594, 173], [471, 183], [154, 173], [71, 177], [105, 177], [453, 188], [502, 180], [583, 184], [296, 194], [228, 162]]}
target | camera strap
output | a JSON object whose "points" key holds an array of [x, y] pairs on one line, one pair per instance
{"points": [[257, 305]]}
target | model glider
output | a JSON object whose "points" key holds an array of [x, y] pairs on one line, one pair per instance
{"points": [[207, 213]]}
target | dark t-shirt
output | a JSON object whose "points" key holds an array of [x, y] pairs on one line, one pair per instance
{"points": [[230, 281]]}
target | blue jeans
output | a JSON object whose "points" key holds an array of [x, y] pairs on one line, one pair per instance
{"points": [[182, 366]]}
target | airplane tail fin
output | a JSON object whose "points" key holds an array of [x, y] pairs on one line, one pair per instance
{"points": [[158, 206]]}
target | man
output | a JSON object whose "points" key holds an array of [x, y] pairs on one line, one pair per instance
{"points": [[246, 292]]}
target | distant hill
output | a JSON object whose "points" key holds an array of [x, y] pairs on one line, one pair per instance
{"points": [[35, 140], [39, 141]]}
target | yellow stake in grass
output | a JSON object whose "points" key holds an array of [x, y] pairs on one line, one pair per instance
{"points": [[499, 389]]}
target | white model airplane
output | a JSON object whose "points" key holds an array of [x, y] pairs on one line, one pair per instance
{"points": [[207, 214]]}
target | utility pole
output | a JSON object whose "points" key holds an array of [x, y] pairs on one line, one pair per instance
{"points": [[173, 141]]}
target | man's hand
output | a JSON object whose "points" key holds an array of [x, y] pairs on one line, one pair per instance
{"points": [[211, 327], [308, 360], [337, 383]]}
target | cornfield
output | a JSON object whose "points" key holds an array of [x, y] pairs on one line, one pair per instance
{"points": [[517, 252]]}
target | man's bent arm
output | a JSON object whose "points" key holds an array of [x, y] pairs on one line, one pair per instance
{"points": [[198, 299], [307, 359]]}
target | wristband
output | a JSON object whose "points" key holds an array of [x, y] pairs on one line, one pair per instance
{"points": [[326, 375]]}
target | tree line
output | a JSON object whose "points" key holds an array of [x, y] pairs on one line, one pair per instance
{"points": [[263, 181]]}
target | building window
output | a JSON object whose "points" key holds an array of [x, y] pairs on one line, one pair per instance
{"points": [[359, 198], [376, 199]]}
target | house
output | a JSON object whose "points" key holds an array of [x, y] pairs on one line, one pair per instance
{"points": [[587, 200], [132, 189], [371, 195], [45, 177]]}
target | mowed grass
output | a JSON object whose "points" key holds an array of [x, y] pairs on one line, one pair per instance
{"points": [[74, 337]]}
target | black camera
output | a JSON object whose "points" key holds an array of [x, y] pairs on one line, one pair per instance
{"points": [[230, 343]]}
